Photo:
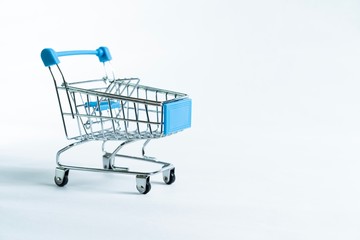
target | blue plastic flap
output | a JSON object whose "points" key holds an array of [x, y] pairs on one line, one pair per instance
{"points": [[104, 105], [177, 116]]}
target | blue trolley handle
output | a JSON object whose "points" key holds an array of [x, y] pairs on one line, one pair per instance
{"points": [[50, 57]]}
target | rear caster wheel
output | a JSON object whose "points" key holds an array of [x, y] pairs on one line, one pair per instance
{"points": [[169, 176], [61, 177], [143, 184]]}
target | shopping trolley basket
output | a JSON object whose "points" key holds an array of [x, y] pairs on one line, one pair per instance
{"points": [[110, 109]]}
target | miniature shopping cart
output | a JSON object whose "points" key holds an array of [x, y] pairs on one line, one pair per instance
{"points": [[110, 109]]}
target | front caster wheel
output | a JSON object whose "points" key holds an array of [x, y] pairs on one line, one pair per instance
{"points": [[169, 176], [143, 184], [61, 181]]}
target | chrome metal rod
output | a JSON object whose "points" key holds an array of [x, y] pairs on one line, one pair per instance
{"points": [[143, 147], [67, 148], [110, 95], [111, 118], [147, 159], [115, 170]]}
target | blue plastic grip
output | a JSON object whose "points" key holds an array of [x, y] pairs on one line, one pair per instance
{"points": [[104, 105], [177, 116], [50, 57]]}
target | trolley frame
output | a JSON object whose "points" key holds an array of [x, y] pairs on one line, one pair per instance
{"points": [[115, 110]]}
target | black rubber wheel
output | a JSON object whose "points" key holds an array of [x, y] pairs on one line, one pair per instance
{"points": [[171, 178], [61, 182], [147, 188], [144, 189], [108, 167]]}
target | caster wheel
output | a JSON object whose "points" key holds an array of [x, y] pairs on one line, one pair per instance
{"points": [[61, 177], [143, 184], [169, 176], [107, 161], [108, 167], [61, 181]]}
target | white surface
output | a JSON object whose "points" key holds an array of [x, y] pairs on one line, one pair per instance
{"points": [[273, 151]]}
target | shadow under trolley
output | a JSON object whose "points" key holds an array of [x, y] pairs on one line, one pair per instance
{"points": [[110, 109]]}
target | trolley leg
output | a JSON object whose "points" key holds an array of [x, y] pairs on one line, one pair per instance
{"points": [[62, 172], [142, 178], [109, 158], [67, 148]]}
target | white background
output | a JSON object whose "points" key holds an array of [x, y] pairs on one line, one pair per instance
{"points": [[273, 152]]}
